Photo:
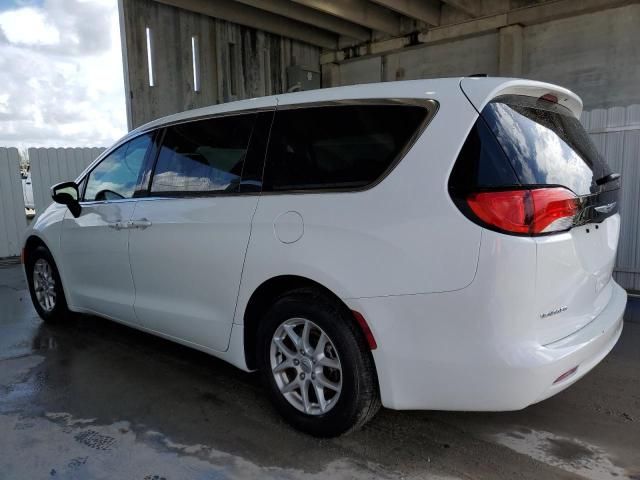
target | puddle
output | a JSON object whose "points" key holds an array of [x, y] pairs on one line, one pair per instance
{"points": [[572, 455], [13, 384], [80, 448]]}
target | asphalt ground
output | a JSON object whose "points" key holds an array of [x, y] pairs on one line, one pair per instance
{"points": [[93, 399]]}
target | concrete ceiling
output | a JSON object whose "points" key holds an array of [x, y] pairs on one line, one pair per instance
{"points": [[376, 25], [328, 23]]}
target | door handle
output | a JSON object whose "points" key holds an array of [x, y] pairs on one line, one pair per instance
{"points": [[116, 225], [141, 224]]}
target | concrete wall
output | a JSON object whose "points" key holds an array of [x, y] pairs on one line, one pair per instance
{"points": [[259, 68], [361, 71], [452, 59], [466, 56], [596, 54]]}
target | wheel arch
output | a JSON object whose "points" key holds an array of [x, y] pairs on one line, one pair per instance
{"points": [[31, 243], [264, 296]]}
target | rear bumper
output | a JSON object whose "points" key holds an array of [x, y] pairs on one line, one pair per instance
{"points": [[584, 348], [462, 361]]}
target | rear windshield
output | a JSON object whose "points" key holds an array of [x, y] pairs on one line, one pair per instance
{"points": [[545, 143]]}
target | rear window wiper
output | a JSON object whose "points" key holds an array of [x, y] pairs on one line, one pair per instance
{"points": [[607, 178]]}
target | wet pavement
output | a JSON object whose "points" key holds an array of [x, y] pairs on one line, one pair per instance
{"points": [[97, 400]]}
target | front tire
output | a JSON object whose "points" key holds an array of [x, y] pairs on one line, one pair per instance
{"points": [[45, 286], [316, 365]]}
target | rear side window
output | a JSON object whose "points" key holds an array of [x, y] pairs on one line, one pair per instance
{"points": [[203, 156], [481, 163], [346, 146], [545, 143]]}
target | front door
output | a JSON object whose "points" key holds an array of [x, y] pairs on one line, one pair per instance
{"points": [[95, 246], [190, 235]]}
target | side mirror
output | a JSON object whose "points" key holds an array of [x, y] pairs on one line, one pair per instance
{"points": [[66, 193]]}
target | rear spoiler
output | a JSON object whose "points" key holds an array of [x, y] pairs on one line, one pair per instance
{"points": [[481, 90]]}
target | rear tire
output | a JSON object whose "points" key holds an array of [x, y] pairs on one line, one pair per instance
{"points": [[45, 286], [313, 343]]}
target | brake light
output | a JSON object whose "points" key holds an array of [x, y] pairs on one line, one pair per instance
{"points": [[529, 212], [549, 97]]}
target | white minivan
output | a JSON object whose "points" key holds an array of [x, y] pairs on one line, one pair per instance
{"points": [[433, 244]]}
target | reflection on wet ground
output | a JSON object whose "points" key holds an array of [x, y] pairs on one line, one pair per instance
{"points": [[94, 399]]}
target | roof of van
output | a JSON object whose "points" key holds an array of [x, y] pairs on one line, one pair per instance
{"points": [[479, 90]]}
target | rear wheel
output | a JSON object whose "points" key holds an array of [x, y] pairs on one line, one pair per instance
{"points": [[45, 286], [316, 364]]}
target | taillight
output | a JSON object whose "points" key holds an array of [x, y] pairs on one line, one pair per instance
{"points": [[528, 212]]}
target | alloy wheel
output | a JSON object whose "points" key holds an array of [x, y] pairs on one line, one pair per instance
{"points": [[306, 366], [44, 284]]}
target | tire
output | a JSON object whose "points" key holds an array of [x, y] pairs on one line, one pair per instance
{"points": [[339, 364], [43, 277]]}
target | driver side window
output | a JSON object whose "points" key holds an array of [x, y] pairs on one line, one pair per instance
{"points": [[117, 175]]}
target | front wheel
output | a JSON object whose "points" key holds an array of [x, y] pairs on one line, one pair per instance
{"points": [[317, 367], [45, 286]]}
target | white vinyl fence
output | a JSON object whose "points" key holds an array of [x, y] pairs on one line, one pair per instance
{"points": [[616, 133], [12, 216], [54, 165], [48, 167]]}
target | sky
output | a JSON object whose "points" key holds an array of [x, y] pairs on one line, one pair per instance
{"points": [[61, 81]]}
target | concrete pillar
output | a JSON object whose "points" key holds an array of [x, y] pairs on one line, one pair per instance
{"points": [[330, 75], [510, 55]]}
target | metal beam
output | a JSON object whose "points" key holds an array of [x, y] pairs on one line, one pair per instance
{"points": [[361, 12], [288, 9], [470, 7], [258, 19], [427, 11]]}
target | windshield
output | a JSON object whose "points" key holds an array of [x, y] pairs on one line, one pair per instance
{"points": [[545, 143]]}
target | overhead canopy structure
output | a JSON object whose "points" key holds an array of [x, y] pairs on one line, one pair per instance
{"points": [[184, 54], [336, 24], [325, 23]]}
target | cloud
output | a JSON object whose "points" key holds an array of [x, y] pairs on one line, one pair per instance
{"points": [[61, 74], [40, 31]]}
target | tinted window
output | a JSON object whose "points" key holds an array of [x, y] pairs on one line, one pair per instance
{"points": [[203, 156], [545, 143], [117, 175], [253, 168], [481, 162], [338, 146]]}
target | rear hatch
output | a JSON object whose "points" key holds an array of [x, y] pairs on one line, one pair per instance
{"points": [[545, 179]]}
